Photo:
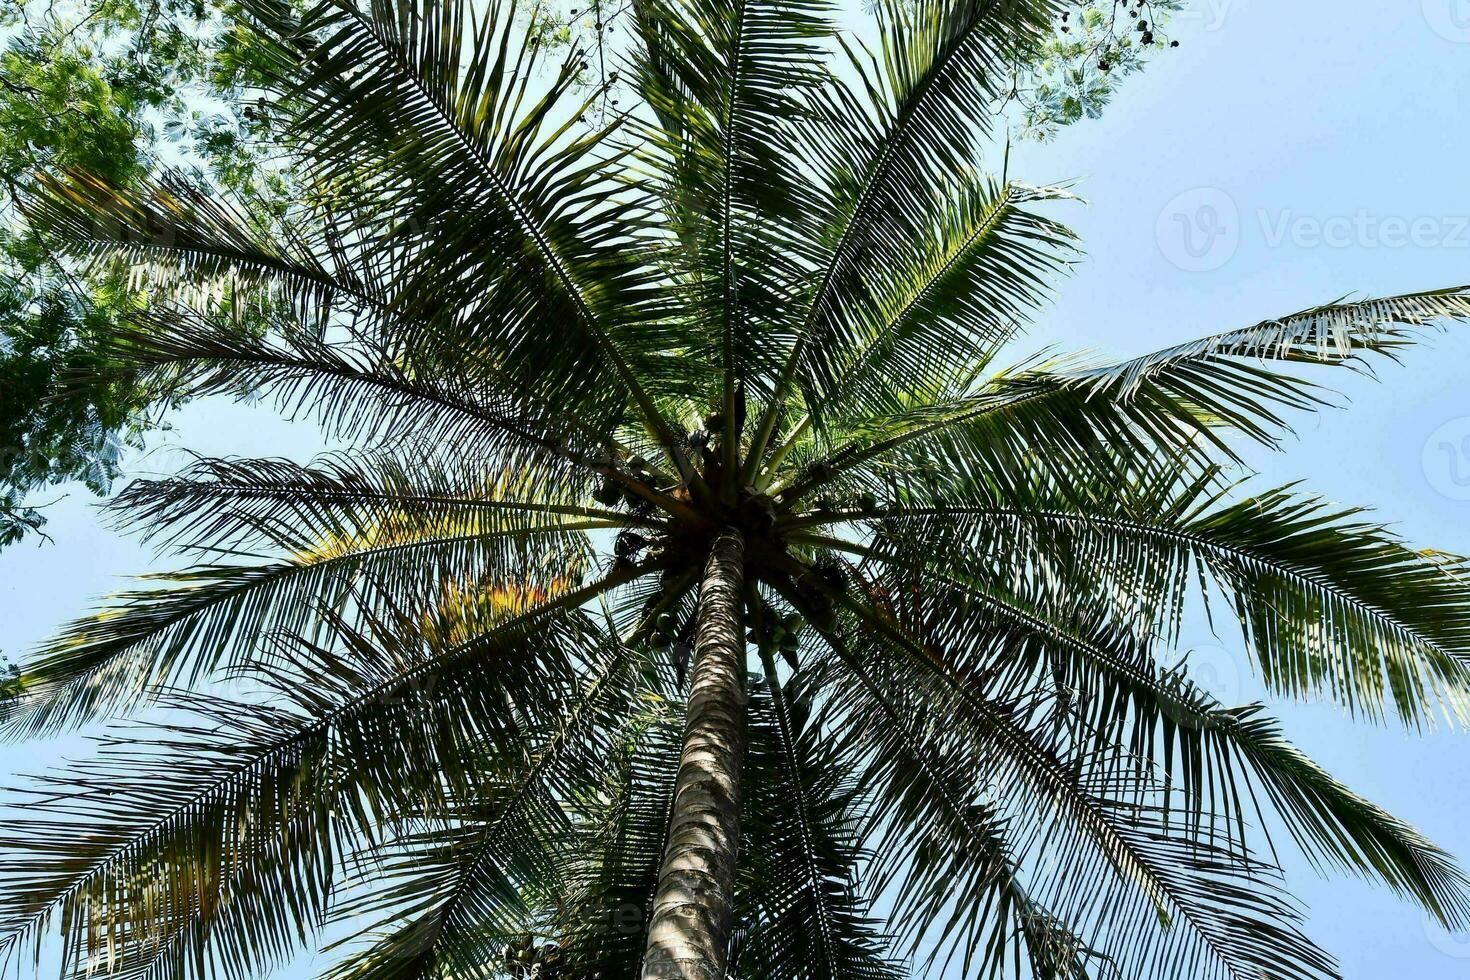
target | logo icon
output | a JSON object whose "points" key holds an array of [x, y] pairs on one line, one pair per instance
{"points": [[1210, 669], [1455, 945], [1446, 459], [1450, 19], [1199, 230]]}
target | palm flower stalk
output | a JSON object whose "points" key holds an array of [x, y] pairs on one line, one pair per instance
{"points": [[705, 589]]}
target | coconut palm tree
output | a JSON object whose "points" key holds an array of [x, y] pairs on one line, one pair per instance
{"points": [[700, 588]]}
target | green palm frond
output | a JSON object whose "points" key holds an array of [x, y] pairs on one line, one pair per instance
{"points": [[731, 82], [419, 111], [942, 64], [184, 237], [1125, 864], [356, 391], [1171, 401], [1328, 603], [244, 813], [209, 245], [940, 310], [1228, 374], [805, 904], [212, 615], [938, 843], [1211, 757], [129, 849], [452, 896], [600, 928], [1329, 334], [356, 387], [1015, 423], [241, 503]]}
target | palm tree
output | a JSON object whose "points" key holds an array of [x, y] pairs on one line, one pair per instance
{"points": [[698, 594]]}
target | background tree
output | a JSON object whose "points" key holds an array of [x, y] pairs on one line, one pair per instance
{"points": [[116, 88], [705, 577]]}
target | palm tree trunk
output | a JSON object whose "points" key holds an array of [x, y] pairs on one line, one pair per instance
{"points": [[689, 931]]}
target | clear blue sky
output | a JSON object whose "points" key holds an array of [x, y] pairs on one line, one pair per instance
{"points": [[1308, 149]]}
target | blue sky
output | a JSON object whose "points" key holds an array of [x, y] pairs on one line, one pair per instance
{"points": [[1286, 154]]}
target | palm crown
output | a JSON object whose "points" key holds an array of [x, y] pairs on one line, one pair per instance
{"points": [[701, 595]]}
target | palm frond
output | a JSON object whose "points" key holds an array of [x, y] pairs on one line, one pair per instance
{"points": [[1127, 865], [1328, 603], [729, 83], [451, 896], [600, 929], [807, 916], [1172, 401], [357, 388], [249, 503], [418, 108], [1214, 757], [199, 250], [1333, 333], [213, 615], [123, 853], [245, 815], [1015, 423], [940, 853], [936, 314], [183, 237], [942, 64]]}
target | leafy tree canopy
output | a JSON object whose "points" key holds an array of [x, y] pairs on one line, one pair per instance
{"points": [[112, 88]]}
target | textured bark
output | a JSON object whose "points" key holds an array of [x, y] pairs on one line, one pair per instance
{"points": [[689, 931]]}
